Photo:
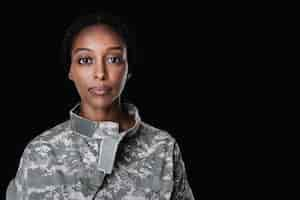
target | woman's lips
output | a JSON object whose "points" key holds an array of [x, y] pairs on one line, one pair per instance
{"points": [[100, 91]]}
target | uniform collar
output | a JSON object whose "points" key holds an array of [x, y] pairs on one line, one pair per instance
{"points": [[102, 129]]}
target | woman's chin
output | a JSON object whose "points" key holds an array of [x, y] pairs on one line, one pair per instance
{"points": [[100, 102]]}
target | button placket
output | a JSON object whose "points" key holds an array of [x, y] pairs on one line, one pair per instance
{"points": [[109, 142]]}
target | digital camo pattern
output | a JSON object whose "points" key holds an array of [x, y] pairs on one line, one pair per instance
{"points": [[63, 164]]}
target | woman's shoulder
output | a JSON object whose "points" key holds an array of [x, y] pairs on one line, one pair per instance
{"points": [[43, 147], [50, 136], [154, 133]]}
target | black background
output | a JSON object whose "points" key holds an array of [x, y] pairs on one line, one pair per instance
{"points": [[190, 79]]}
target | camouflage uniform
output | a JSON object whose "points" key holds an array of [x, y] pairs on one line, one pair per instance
{"points": [[81, 159]]}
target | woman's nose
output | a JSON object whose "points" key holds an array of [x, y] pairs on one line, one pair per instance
{"points": [[100, 72]]}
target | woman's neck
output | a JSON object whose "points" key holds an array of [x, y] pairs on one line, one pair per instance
{"points": [[112, 113]]}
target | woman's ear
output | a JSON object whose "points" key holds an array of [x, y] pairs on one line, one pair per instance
{"points": [[70, 76]]}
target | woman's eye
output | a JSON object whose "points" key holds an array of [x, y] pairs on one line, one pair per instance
{"points": [[85, 61], [114, 59]]}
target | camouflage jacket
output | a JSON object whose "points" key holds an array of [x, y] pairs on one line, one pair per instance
{"points": [[81, 159]]}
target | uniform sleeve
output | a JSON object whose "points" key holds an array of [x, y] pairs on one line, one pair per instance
{"points": [[181, 189], [35, 178]]}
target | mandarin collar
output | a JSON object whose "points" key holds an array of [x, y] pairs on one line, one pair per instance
{"points": [[95, 129]]}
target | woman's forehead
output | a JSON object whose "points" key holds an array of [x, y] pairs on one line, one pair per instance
{"points": [[98, 34]]}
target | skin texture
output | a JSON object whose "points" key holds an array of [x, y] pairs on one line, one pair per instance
{"points": [[99, 58]]}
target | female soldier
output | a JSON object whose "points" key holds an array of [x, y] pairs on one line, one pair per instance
{"points": [[105, 150]]}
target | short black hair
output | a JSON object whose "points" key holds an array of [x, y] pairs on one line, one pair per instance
{"points": [[120, 26]]}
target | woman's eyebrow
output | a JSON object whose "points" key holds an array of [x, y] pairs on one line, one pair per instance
{"points": [[108, 49], [115, 48], [81, 49]]}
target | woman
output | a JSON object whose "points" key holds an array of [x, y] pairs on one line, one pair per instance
{"points": [[105, 150]]}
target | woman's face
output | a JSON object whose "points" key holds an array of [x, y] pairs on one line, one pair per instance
{"points": [[98, 65]]}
